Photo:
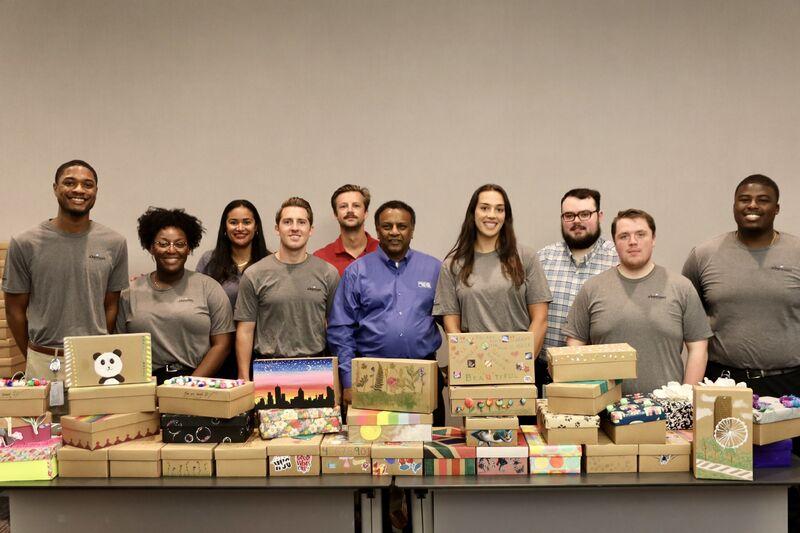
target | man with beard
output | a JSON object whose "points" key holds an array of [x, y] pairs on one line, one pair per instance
{"points": [[63, 277], [569, 263], [350, 205]]}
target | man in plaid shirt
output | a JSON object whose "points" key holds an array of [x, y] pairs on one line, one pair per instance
{"points": [[570, 262]]}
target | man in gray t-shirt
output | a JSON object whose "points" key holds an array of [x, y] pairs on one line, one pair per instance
{"points": [[284, 299], [63, 277], [642, 304]]}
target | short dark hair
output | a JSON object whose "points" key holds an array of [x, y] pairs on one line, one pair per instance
{"points": [[74, 163], [583, 194], [395, 204], [761, 179], [156, 218], [351, 188], [295, 201], [633, 213]]}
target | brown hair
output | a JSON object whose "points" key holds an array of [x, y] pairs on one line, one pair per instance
{"points": [[351, 188], [295, 201], [633, 213]]}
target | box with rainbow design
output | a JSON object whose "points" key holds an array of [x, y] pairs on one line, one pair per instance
{"points": [[220, 398], [592, 362], [493, 400], [365, 425], [551, 459], [491, 358], [36, 461], [99, 431], [448, 454]]}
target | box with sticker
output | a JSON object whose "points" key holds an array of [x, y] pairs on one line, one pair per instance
{"points": [[220, 398], [635, 419], [493, 400], [448, 454], [241, 459], [191, 428], [592, 362], [340, 456], [502, 460], [723, 432], [139, 458], [366, 425], [79, 462], [491, 358], [294, 456], [187, 460], [100, 431], [566, 429], [32, 462], [389, 384], [605, 457], [582, 397], [397, 459], [25, 429], [491, 431], [293, 422], [119, 359], [24, 397], [672, 456], [119, 399], [547, 458]]}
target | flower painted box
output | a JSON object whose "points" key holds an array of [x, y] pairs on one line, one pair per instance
{"points": [[220, 398], [582, 397], [448, 454], [188, 460], [16, 430], [340, 456], [80, 462], [388, 384], [723, 432], [365, 425], [672, 456], [397, 459], [545, 458], [94, 360], [192, 428], [21, 397], [605, 457], [99, 431], [492, 431], [493, 400], [566, 429], [491, 358], [140, 458], [294, 456], [503, 460], [293, 422], [33, 462], [241, 459], [119, 399], [592, 362]]}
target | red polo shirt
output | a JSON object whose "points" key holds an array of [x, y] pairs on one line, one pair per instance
{"points": [[335, 254]]}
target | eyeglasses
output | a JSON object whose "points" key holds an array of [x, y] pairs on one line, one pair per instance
{"points": [[179, 246], [580, 215]]}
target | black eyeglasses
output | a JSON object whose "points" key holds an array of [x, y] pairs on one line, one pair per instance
{"points": [[580, 215]]}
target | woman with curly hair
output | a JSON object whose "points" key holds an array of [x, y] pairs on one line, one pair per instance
{"points": [[186, 313]]}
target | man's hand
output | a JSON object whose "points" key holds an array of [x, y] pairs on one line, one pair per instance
{"points": [[347, 396]]}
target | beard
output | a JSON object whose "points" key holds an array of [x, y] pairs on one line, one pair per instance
{"points": [[581, 243]]}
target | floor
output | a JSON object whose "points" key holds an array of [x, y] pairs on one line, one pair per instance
{"points": [[4, 525]]}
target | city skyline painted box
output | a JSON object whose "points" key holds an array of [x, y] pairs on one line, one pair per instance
{"points": [[296, 383]]}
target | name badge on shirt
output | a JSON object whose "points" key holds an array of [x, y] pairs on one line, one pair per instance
{"points": [[424, 284], [56, 393]]}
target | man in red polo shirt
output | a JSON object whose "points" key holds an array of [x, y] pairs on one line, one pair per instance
{"points": [[350, 205]]}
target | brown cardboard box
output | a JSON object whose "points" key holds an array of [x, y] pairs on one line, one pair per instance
{"points": [[77, 462], [583, 397], [5, 333], [100, 431], [492, 430], [493, 400], [644, 433], [7, 342], [607, 457], [242, 459], [9, 351], [111, 400], [406, 385], [397, 459], [294, 456], [599, 361], [775, 431], [24, 401], [670, 457], [558, 429], [136, 458], [340, 456], [11, 365], [205, 401], [188, 460], [491, 358], [108, 360], [723, 433]]}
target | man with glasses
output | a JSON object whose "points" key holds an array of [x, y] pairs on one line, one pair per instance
{"points": [[570, 262]]}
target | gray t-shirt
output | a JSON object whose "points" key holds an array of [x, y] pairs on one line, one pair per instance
{"points": [[753, 300], [180, 319], [288, 303], [230, 286], [655, 314], [67, 276], [491, 302]]}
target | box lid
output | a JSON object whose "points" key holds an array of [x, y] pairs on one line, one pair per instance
{"points": [[520, 450], [605, 447], [188, 451], [537, 447], [491, 422], [169, 420], [34, 451], [113, 391], [448, 443], [581, 389], [634, 409], [562, 421], [369, 417], [300, 445], [675, 445], [253, 448], [495, 393], [210, 389], [71, 453], [397, 450], [93, 423], [21, 390], [337, 445], [593, 353], [146, 449], [111, 360]]}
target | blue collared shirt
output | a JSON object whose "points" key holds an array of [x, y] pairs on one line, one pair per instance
{"points": [[382, 308]]}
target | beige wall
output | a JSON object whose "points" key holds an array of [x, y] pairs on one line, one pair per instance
{"points": [[660, 105]]}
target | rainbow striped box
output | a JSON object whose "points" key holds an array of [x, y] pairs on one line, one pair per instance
{"points": [[99, 431]]}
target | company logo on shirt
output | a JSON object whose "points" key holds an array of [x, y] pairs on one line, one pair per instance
{"points": [[314, 288], [782, 268], [185, 300], [424, 284], [657, 296], [97, 256]]}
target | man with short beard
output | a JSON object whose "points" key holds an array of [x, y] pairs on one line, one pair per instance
{"points": [[567, 264]]}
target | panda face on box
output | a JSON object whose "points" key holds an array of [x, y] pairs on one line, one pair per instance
{"points": [[108, 365]]}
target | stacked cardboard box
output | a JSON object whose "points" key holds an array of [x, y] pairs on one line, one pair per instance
{"points": [[551, 458], [396, 438], [11, 359], [636, 419], [449, 454], [775, 419], [340, 456]]}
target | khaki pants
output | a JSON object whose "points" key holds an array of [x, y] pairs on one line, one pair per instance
{"points": [[38, 366]]}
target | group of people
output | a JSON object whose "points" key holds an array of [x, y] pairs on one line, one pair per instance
{"points": [[735, 308]]}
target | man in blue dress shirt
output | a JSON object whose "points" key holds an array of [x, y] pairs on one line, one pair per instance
{"points": [[383, 304]]}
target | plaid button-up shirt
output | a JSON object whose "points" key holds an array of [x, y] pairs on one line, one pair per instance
{"points": [[566, 277]]}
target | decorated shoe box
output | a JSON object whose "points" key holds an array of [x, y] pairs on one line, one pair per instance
{"points": [[188, 460], [220, 398], [635, 419], [296, 382], [775, 419], [99, 431], [365, 425], [492, 431], [503, 460], [491, 358], [493, 400], [397, 459], [192, 428], [242, 459], [547, 458], [775, 455], [448, 454], [9, 351], [293, 422], [605, 457], [11, 364], [676, 399], [592, 362], [775, 431], [672, 456], [566, 429], [21, 397], [25, 429], [117, 399], [582, 397], [294, 456], [33, 462], [388, 384], [139, 458], [95, 360], [340, 456], [5, 332], [79, 462]]}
